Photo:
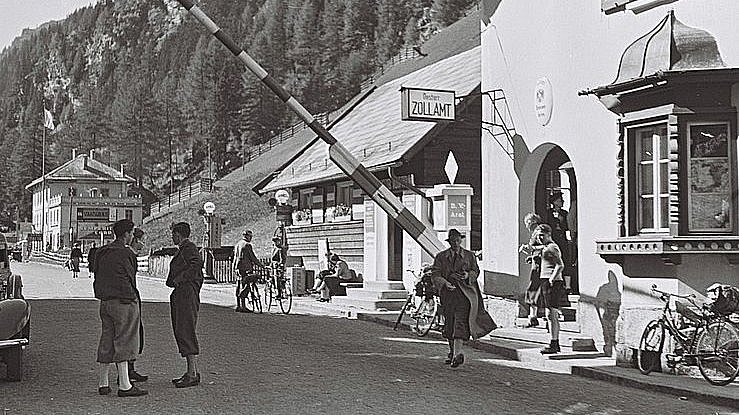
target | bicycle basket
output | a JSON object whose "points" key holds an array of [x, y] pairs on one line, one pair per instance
{"points": [[727, 301]]}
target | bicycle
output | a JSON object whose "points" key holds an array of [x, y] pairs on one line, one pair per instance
{"points": [[247, 289], [427, 312], [278, 289], [708, 340]]}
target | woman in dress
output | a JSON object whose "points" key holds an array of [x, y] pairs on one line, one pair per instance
{"points": [[533, 257], [553, 294]]}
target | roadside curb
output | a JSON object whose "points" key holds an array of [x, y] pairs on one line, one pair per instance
{"points": [[651, 383]]}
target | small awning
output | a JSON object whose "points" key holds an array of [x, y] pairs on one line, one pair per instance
{"points": [[671, 46]]}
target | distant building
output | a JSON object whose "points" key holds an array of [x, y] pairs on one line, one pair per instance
{"points": [[82, 198]]}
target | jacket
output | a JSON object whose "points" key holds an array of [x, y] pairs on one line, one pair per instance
{"points": [[448, 268], [115, 272], [186, 265]]}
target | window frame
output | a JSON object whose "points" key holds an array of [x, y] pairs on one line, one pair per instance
{"points": [[685, 163], [633, 214]]}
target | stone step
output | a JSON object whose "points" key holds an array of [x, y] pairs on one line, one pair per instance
{"points": [[365, 294], [370, 304]]}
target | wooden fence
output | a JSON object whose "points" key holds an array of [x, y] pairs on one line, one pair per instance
{"points": [[222, 268]]}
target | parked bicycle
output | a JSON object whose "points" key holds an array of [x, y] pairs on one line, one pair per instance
{"points": [[708, 340], [278, 290], [423, 306], [248, 289]]}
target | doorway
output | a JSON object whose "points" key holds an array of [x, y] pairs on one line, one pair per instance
{"points": [[555, 201], [395, 252]]}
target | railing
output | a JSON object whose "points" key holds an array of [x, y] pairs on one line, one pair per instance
{"points": [[193, 189], [61, 259]]}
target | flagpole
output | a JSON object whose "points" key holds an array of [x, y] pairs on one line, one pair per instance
{"points": [[43, 186]]}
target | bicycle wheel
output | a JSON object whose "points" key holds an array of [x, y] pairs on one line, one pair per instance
{"points": [[425, 316], [650, 347], [285, 296], [253, 302], [718, 353]]}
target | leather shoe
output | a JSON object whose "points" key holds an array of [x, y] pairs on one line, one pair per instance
{"points": [[134, 391], [188, 381], [179, 379], [449, 358], [534, 322], [135, 376], [458, 360], [103, 390]]}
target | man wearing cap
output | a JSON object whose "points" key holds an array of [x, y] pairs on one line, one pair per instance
{"points": [[243, 263], [186, 277], [455, 273]]}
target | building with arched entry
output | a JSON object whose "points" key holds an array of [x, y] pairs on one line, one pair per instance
{"points": [[628, 110]]}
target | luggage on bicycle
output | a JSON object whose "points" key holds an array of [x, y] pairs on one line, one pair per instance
{"points": [[726, 299]]}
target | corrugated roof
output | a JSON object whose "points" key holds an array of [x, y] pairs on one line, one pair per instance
{"points": [[373, 131], [83, 167]]}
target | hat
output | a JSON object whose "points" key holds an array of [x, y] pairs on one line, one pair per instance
{"points": [[334, 257], [276, 239], [246, 232], [453, 233]]}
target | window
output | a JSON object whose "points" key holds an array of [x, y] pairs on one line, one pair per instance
{"points": [[709, 169], [129, 214], [650, 176], [104, 192]]}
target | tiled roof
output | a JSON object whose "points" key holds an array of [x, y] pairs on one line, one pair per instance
{"points": [[372, 131], [83, 167]]}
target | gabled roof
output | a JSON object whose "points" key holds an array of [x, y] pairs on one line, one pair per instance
{"points": [[372, 130], [83, 167]]}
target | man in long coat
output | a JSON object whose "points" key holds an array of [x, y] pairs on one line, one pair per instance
{"points": [[455, 273]]}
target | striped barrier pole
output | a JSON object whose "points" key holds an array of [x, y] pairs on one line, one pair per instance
{"points": [[343, 159]]}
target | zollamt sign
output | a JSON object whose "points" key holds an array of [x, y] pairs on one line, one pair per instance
{"points": [[419, 104]]}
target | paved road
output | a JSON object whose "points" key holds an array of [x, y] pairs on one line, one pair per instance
{"points": [[295, 364]]}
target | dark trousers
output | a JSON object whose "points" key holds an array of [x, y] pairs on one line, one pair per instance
{"points": [[184, 304]]}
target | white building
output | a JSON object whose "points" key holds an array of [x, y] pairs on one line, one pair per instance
{"points": [[79, 200]]}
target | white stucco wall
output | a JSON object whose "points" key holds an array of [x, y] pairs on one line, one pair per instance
{"points": [[576, 47]]}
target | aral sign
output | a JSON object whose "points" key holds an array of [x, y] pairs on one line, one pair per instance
{"points": [[427, 104]]}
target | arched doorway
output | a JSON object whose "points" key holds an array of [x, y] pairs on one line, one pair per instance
{"points": [[555, 200]]}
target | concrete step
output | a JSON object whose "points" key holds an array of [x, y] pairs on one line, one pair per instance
{"points": [[565, 326], [369, 304], [383, 285], [365, 294]]}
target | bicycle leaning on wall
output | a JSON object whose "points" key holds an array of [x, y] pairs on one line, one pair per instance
{"points": [[423, 305], [708, 340]]}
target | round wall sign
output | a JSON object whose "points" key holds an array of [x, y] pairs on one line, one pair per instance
{"points": [[543, 101]]}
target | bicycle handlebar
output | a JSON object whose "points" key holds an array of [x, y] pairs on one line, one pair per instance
{"points": [[689, 297]]}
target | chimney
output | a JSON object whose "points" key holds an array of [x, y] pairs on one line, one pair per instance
{"points": [[74, 153], [92, 154]]}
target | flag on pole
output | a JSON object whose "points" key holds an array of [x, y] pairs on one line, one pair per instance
{"points": [[48, 119]]}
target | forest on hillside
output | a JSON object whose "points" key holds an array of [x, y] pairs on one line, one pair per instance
{"points": [[142, 83]]}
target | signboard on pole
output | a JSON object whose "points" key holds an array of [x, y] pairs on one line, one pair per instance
{"points": [[93, 214], [419, 104]]}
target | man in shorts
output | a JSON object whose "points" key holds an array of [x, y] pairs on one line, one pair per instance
{"points": [[120, 312]]}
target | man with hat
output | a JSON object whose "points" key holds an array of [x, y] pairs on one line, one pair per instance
{"points": [[455, 273], [243, 264]]}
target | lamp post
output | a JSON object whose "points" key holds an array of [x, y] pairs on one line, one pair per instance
{"points": [[208, 209], [71, 202]]}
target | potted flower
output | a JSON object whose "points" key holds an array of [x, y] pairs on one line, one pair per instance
{"points": [[302, 217], [342, 213]]}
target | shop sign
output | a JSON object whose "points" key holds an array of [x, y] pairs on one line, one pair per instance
{"points": [[93, 214], [427, 104], [456, 211], [543, 101]]}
